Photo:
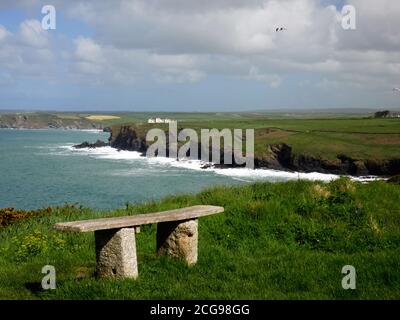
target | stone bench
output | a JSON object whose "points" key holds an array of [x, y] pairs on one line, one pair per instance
{"points": [[177, 235]]}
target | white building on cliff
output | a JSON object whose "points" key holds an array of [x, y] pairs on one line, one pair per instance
{"points": [[159, 120]]}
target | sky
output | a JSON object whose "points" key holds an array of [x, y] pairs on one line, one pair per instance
{"points": [[190, 55]]}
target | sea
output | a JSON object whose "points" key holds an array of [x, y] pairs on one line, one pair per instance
{"points": [[40, 168]]}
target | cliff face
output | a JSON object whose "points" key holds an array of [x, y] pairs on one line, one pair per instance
{"points": [[45, 121], [277, 156], [128, 138], [281, 157]]}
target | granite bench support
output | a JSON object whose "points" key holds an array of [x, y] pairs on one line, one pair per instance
{"points": [[115, 238]]}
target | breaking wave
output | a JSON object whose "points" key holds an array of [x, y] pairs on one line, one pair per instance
{"points": [[160, 163]]}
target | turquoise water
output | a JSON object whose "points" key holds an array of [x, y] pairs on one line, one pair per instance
{"points": [[40, 168]]}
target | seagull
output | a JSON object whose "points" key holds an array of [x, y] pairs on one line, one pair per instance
{"points": [[280, 29], [396, 89]]}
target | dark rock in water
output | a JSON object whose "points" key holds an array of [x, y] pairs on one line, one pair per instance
{"points": [[107, 129], [207, 166], [394, 179], [97, 144], [276, 156]]}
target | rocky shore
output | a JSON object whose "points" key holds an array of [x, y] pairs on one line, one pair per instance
{"points": [[97, 144], [276, 156], [281, 157]]}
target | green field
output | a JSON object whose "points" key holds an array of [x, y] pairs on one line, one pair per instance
{"points": [[360, 138], [356, 137], [274, 241]]}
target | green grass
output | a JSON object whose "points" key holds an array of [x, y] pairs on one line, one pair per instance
{"points": [[274, 241], [359, 138]]}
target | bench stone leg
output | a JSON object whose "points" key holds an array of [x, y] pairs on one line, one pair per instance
{"points": [[116, 253], [178, 239]]}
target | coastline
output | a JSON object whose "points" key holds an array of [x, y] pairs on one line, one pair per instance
{"points": [[240, 173], [276, 157], [280, 159]]}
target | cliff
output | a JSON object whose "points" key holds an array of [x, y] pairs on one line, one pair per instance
{"points": [[281, 157], [42, 120], [128, 138], [276, 156]]}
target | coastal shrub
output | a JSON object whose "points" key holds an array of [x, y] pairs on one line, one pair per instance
{"points": [[9, 215], [30, 245], [36, 243]]}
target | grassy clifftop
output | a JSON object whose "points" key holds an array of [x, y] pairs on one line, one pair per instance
{"points": [[347, 146], [54, 120], [359, 138], [274, 241], [362, 138]]}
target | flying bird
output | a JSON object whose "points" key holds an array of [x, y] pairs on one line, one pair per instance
{"points": [[396, 89], [280, 29]]}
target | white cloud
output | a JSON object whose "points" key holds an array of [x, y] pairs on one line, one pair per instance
{"points": [[172, 75], [186, 41], [26, 53], [89, 51], [178, 60], [3, 33], [273, 80], [32, 34]]}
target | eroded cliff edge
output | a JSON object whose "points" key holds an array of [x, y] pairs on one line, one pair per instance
{"points": [[274, 156]]}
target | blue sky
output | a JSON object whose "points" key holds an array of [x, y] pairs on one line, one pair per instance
{"points": [[186, 55]]}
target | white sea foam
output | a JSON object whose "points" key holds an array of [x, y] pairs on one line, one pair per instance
{"points": [[256, 174], [246, 174], [104, 153], [182, 163], [89, 130], [243, 174]]}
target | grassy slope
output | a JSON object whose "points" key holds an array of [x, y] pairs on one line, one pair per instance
{"points": [[360, 138], [275, 241]]}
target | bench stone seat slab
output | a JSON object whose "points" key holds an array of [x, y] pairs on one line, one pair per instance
{"points": [[140, 219]]}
